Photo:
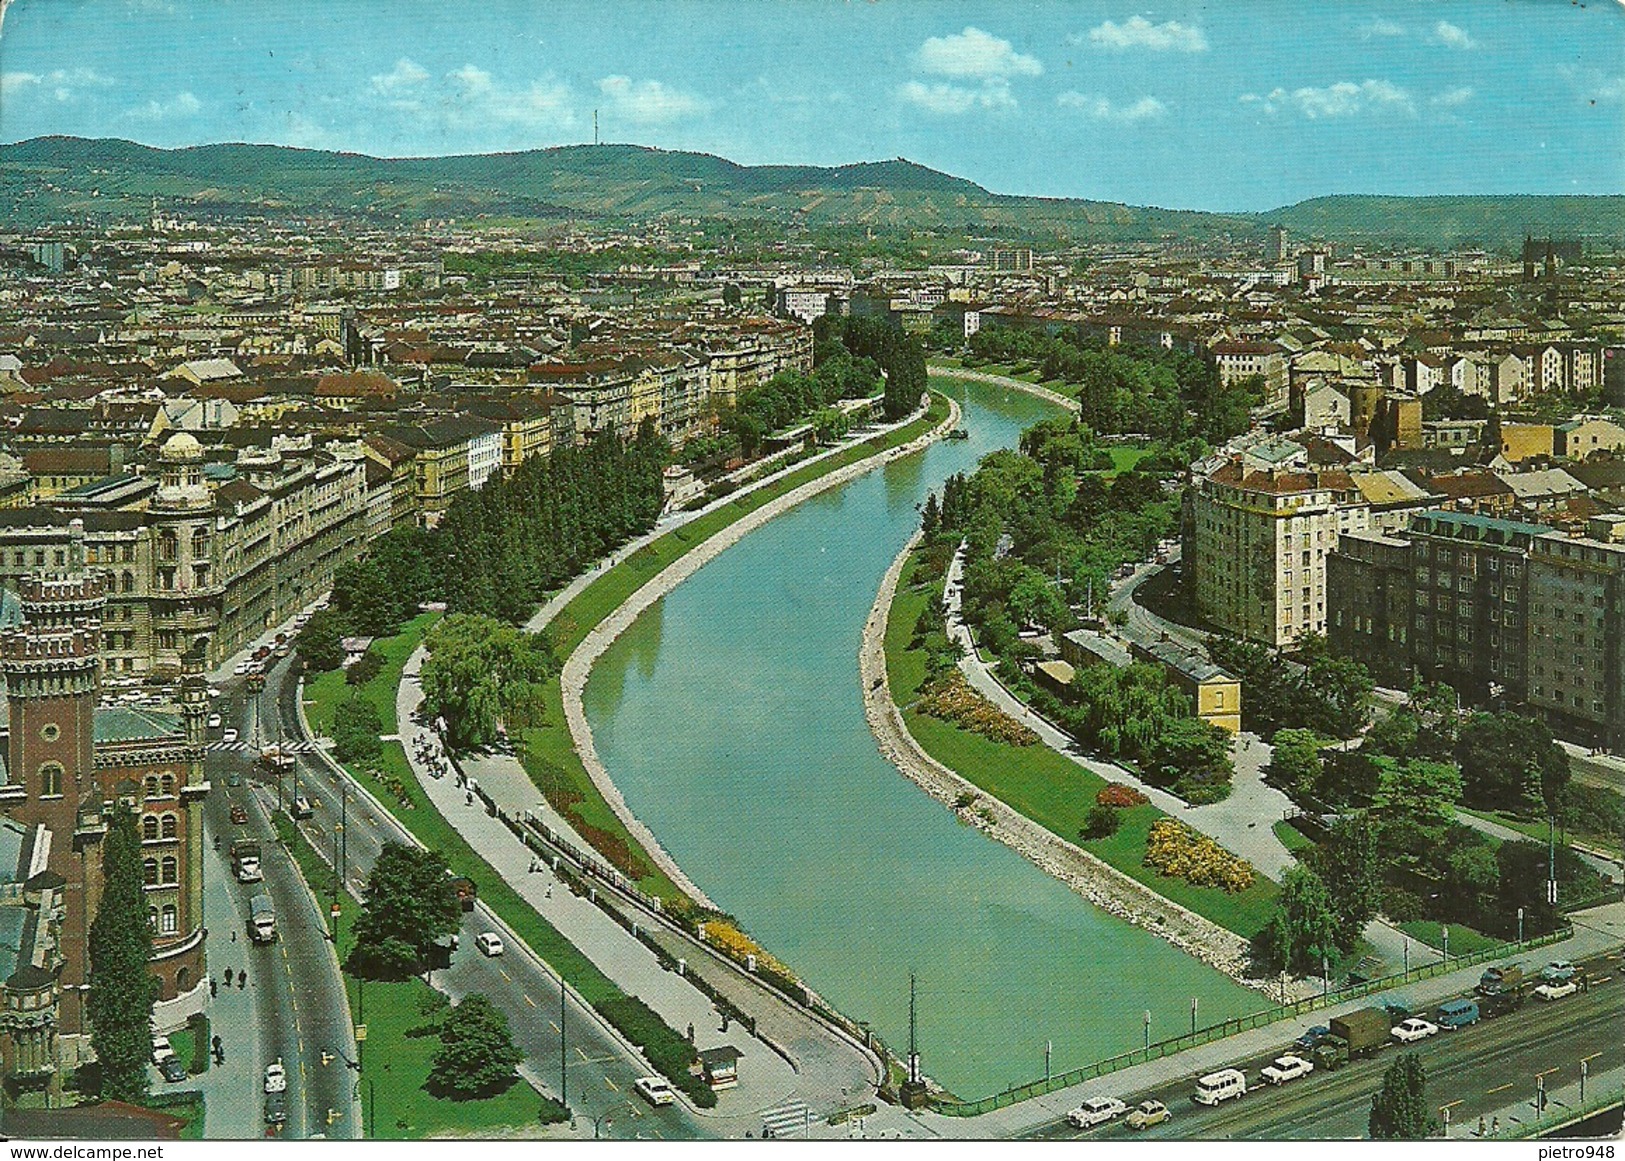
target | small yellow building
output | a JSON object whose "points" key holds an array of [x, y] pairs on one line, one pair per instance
{"points": [[1215, 692]]}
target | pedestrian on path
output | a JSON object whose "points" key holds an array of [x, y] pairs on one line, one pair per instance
{"points": [[214, 987], [228, 977], [242, 980]]}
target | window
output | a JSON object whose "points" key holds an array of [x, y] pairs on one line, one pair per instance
{"points": [[169, 785], [171, 869], [149, 827], [168, 826], [149, 872], [50, 780], [152, 786], [166, 922], [152, 918]]}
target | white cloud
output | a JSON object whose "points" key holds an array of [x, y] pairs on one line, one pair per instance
{"points": [[1454, 98], [648, 102], [1138, 32], [62, 84], [975, 55], [1343, 99], [1453, 36], [1381, 27], [955, 99], [1101, 109], [181, 105], [17, 82], [473, 80], [1593, 84], [406, 74]]}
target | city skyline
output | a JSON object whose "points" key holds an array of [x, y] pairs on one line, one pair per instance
{"points": [[1366, 98]]}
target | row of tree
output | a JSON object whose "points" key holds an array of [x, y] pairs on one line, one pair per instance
{"points": [[482, 676], [900, 356]]}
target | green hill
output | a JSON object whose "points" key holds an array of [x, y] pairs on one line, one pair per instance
{"points": [[52, 178]]}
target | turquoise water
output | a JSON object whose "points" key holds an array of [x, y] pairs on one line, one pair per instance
{"points": [[730, 717]]}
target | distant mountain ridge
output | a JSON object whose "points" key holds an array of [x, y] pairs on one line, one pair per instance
{"points": [[109, 176]]}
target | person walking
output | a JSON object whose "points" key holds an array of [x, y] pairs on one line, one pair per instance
{"points": [[242, 980], [228, 977]]}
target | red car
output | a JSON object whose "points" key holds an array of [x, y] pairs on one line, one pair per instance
{"points": [[239, 815]]}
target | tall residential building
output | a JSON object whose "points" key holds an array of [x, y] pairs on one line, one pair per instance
{"points": [[1577, 631], [1257, 530], [1275, 249], [1368, 597]]}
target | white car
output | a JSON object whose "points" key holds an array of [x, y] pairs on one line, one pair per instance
{"points": [[1414, 1029], [655, 1089], [489, 943], [1556, 991], [276, 1077], [229, 737], [214, 721], [1285, 1068], [161, 1049], [1096, 1111], [240, 668]]}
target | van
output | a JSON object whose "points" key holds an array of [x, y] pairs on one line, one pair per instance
{"points": [[1458, 1013], [1218, 1087]]}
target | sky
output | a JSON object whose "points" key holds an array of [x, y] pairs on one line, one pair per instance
{"points": [[1230, 105]]}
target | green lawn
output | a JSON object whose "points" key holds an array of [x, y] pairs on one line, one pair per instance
{"points": [[1047, 787], [399, 1061], [549, 753], [1463, 939], [1291, 837], [326, 690], [1536, 829], [1124, 458]]}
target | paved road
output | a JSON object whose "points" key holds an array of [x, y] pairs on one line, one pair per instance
{"points": [[601, 1067], [1488, 1069], [298, 1009]]}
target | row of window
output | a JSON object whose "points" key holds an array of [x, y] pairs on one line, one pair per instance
{"points": [[164, 872], [159, 826]]}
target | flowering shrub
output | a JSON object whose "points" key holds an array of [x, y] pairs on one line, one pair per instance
{"points": [[1175, 850], [720, 933], [953, 700], [1116, 794]]}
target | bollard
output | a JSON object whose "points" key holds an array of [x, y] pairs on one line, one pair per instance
{"points": [[750, 962], [682, 967]]}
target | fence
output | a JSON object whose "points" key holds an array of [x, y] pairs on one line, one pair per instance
{"points": [[1177, 1044]]}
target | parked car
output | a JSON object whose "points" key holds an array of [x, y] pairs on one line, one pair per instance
{"points": [[239, 814], [1285, 1068], [214, 721], [229, 737], [161, 1050], [1556, 991], [1148, 1113], [1557, 972], [1312, 1038], [1414, 1029], [276, 1076], [489, 943], [172, 1070], [655, 1089], [1457, 1014], [1096, 1111], [240, 668]]}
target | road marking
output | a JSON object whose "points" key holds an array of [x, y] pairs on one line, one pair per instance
{"points": [[552, 1025], [613, 1085], [504, 973], [583, 1055], [528, 1000], [1503, 1088]]}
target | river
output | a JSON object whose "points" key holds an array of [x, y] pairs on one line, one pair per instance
{"points": [[731, 719]]}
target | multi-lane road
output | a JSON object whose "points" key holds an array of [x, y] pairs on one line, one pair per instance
{"points": [[303, 1013], [1475, 1071]]}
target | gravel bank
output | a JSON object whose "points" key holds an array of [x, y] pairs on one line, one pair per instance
{"points": [[573, 678], [1043, 393], [1103, 885]]}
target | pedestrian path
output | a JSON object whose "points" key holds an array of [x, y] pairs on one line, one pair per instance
{"points": [[287, 747], [787, 1120]]}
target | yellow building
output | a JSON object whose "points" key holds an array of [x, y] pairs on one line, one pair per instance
{"points": [[1215, 693], [1522, 441]]}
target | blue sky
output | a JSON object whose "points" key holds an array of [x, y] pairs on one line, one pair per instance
{"points": [[1235, 105]]}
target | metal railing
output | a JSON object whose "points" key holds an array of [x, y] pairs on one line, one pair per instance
{"points": [[1163, 1048]]}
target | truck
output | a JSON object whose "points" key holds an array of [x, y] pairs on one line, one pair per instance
{"points": [[1361, 1032], [466, 890], [245, 860], [261, 919], [276, 1107], [1502, 1002], [1497, 980]]}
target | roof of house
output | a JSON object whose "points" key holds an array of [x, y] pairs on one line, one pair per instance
{"points": [[115, 724]]}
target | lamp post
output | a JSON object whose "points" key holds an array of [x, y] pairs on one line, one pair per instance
{"points": [[1148, 1029], [1520, 925], [1444, 937], [1194, 1003]]}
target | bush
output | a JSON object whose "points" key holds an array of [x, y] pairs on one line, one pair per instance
{"points": [[666, 1050], [953, 700], [1402, 906], [1120, 796], [356, 729], [366, 667], [1175, 850], [1101, 822], [552, 1112]]}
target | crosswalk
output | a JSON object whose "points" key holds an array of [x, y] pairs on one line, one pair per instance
{"points": [[286, 747], [786, 1120]]}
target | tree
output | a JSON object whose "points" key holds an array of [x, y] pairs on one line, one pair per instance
{"points": [[356, 729], [477, 1056], [481, 673], [1350, 865], [364, 668], [122, 990], [1302, 932], [1295, 761], [409, 904], [1511, 762], [1191, 757], [1400, 1111], [321, 640], [1419, 792]]}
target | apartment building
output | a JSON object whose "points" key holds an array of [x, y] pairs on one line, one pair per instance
{"points": [[1577, 631]]}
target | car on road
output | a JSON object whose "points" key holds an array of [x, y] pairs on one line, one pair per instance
{"points": [[1096, 1111], [1557, 972], [1217, 1087], [1285, 1068], [276, 1076], [214, 691], [489, 943], [161, 1050], [1148, 1113], [234, 778], [1556, 991], [1414, 1029], [300, 807], [240, 668], [172, 1070], [1311, 1039], [656, 1090], [214, 721], [229, 737], [239, 814]]}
